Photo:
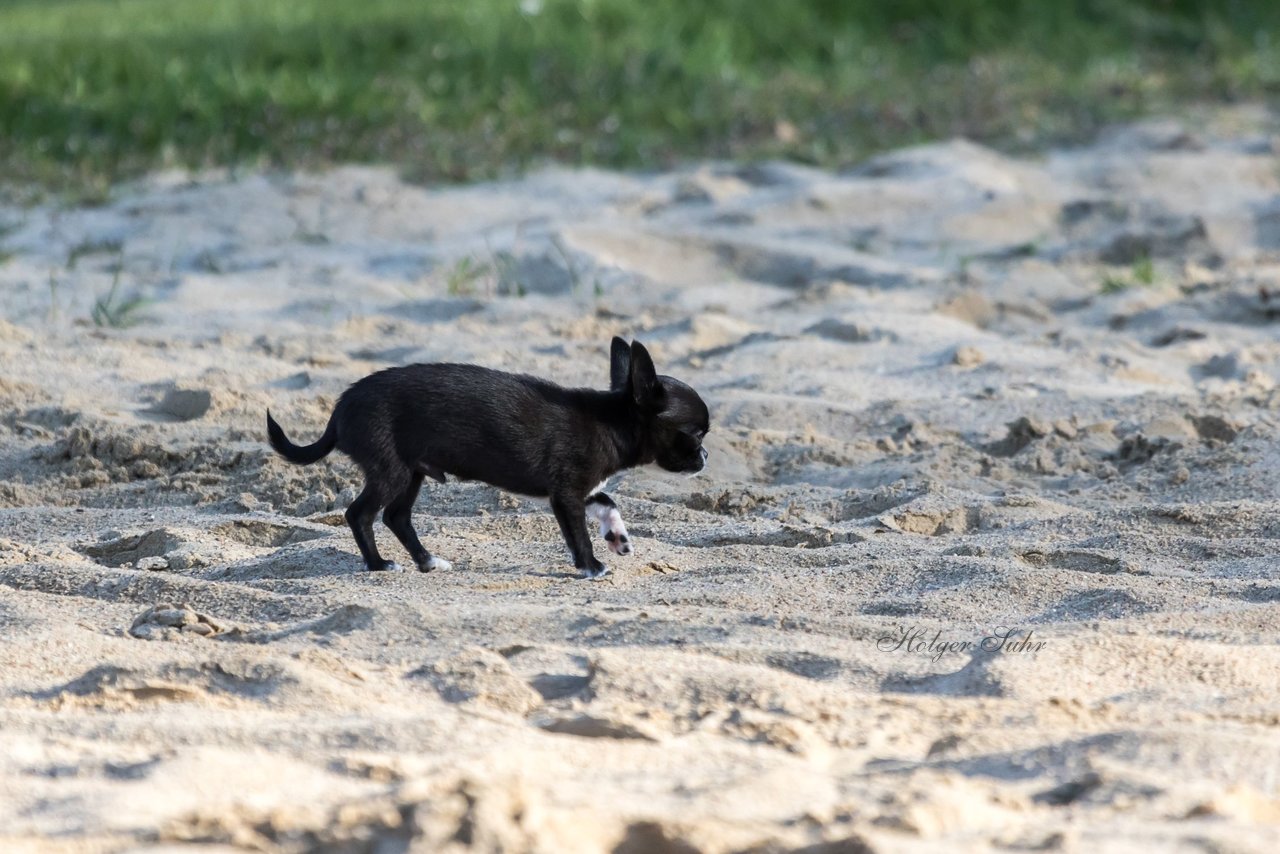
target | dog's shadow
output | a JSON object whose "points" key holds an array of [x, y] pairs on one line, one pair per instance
{"points": [[551, 574], [556, 573], [305, 561]]}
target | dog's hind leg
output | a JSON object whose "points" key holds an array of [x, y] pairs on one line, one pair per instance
{"points": [[360, 516], [399, 518], [600, 507]]}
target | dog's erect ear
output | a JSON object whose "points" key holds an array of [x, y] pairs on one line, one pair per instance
{"points": [[619, 364], [646, 391]]}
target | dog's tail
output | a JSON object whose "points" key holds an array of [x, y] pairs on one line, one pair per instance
{"points": [[301, 454]]}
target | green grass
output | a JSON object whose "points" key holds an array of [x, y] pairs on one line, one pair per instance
{"points": [[92, 247], [95, 90], [114, 310], [1114, 284], [461, 278], [1142, 273]]}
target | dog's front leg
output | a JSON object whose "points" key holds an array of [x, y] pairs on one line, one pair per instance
{"points": [[571, 513], [604, 511]]}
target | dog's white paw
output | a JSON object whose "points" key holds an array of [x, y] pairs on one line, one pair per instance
{"points": [[614, 532], [435, 562], [619, 544], [597, 573]]}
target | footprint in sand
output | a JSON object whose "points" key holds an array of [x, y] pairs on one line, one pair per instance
{"points": [[111, 686], [131, 549], [480, 677], [260, 534]]}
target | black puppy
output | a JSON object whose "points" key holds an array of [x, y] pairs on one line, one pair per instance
{"points": [[512, 431]]}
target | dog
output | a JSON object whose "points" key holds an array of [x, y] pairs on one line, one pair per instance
{"points": [[513, 431]]}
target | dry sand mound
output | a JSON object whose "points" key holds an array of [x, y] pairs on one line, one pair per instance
{"points": [[985, 557]]}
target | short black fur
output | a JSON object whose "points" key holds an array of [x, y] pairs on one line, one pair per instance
{"points": [[513, 431]]}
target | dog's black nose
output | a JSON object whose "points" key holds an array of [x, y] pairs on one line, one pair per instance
{"points": [[704, 455]]}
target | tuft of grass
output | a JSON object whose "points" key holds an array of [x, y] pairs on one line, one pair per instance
{"points": [[116, 311], [91, 246], [575, 278], [53, 296], [94, 91], [1144, 271], [461, 279], [506, 275], [1113, 284]]}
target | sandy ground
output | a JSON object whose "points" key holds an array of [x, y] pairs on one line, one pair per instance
{"points": [[954, 395]]}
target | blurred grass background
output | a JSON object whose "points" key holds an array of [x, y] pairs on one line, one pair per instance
{"points": [[92, 91]]}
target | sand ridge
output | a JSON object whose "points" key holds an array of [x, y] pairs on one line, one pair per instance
{"points": [[954, 393]]}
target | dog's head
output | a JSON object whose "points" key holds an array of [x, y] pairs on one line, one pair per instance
{"points": [[673, 419]]}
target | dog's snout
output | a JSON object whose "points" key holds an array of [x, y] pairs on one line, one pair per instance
{"points": [[701, 464]]}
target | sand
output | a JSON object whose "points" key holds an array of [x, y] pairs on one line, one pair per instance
{"points": [[985, 556]]}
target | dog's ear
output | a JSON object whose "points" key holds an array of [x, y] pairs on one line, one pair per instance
{"points": [[619, 364], [646, 391]]}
